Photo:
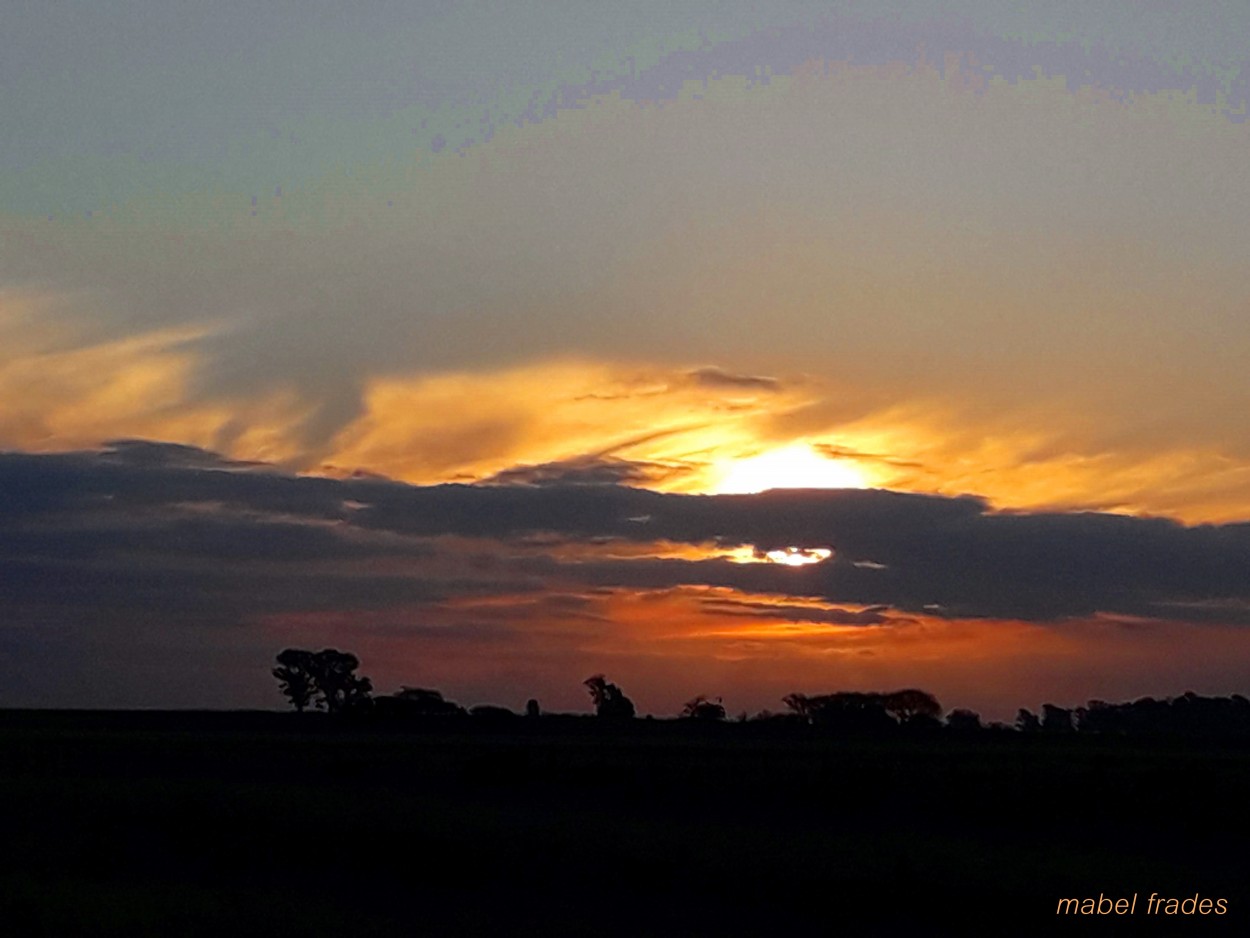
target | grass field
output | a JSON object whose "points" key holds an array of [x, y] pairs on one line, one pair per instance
{"points": [[271, 824]]}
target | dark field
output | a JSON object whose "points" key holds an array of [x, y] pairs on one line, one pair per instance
{"points": [[273, 824]]}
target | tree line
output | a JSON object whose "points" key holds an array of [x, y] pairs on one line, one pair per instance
{"points": [[1187, 715], [327, 680]]}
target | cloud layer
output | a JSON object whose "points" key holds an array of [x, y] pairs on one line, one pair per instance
{"points": [[954, 557], [172, 546]]}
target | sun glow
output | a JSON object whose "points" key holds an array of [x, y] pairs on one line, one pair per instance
{"points": [[792, 467], [787, 556], [799, 556]]}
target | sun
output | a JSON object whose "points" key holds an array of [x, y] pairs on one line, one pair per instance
{"points": [[797, 466]]}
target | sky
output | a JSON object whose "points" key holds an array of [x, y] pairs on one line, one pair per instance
{"points": [[470, 337]]}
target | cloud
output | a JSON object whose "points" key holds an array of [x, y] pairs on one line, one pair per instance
{"points": [[175, 512], [171, 455], [719, 378], [149, 561], [677, 235], [563, 416], [832, 451], [872, 615], [586, 470]]}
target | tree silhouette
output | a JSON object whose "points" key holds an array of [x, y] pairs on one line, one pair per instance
{"points": [[844, 712], [963, 721], [701, 708], [328, 678], [416, 703], [800, 704], [1056, 719], [1027, 721], [912, 706], [295, 677], [609, 700], [339, 687], [1186, 715], [422, 701]]}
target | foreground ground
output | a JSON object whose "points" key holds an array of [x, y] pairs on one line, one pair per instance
{"points": [[271, 824]]}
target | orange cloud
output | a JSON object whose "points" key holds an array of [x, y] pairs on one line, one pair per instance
{"points": [[691, 429], [694, 435], [470, 425], [1044, 457], [60, 391]]}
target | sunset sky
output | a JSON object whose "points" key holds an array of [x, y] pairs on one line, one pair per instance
{"points": [[970, 275]]}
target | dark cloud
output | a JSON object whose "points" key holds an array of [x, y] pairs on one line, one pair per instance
{"points": [[79, 482], [183, 534], [848, 452], [717, 378], [211, 537], [215, 595], [169, 455], [586, 470], [873, 615]]}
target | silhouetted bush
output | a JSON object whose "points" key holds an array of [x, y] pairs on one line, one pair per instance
{"points": [[417, 703], [859, 713], [1027, 721], [963, 721], [701, 708], [1056, 719], [609, 700]]}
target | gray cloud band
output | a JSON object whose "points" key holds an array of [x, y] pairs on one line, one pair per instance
{"points": [[173, 526]]}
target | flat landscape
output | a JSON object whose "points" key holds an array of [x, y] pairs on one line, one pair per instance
{"points": [[190, 823]]}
